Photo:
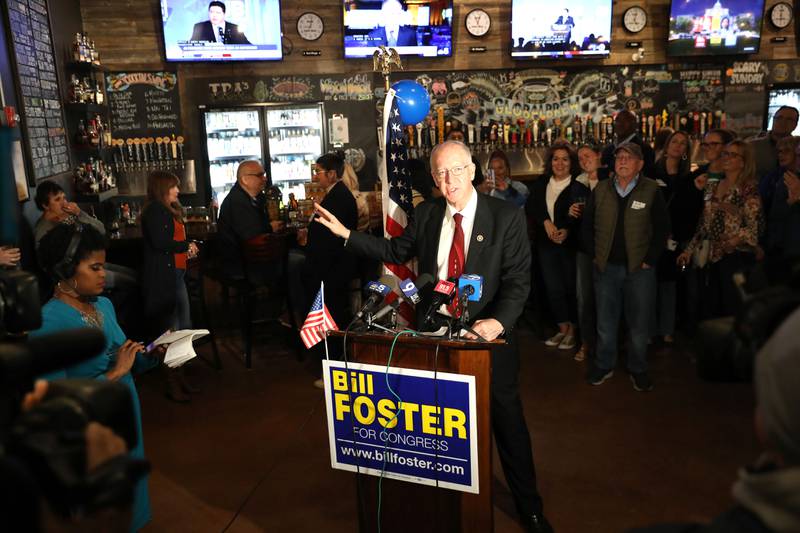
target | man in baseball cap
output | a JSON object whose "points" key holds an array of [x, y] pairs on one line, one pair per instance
{"points": [[626, 229]]}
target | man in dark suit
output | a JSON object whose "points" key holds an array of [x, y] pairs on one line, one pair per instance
{"points": [[484, 237], [625, 127], [393, 31], [243, 215], [215, 29]]}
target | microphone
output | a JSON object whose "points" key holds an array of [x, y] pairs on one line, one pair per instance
{"points": [[472, 283], [443, 294], [41, 355], [221, 34], [377, 292], [411, 291]]}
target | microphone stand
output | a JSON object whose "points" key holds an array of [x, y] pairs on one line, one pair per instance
{"points": [[371, 324], [461, 323]]}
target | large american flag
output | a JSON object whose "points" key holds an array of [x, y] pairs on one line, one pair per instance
{"points": [[318, 321], [396, 189]]}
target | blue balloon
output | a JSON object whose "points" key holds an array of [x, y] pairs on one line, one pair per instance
{"points": [[413, 101]]}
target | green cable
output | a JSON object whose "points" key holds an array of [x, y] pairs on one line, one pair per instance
{"points": [[396, 413]]}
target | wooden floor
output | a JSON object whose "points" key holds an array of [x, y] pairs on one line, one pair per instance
{"points": [[251, 453]]}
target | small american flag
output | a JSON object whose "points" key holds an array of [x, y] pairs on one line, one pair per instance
{"points": [[318, 321]]}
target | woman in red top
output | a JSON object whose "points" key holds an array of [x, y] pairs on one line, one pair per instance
{"points": [[166, 252]]}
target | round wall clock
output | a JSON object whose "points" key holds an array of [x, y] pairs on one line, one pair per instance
{"points": [[780, 15], [634, 19], [310, 26], [478, 22]]}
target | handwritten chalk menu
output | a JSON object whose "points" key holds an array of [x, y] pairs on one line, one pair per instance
{"points": [[143, 104], [41, 104]]}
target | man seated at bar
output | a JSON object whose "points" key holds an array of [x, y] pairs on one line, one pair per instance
{"points": [[56, 210], [243, 215]]}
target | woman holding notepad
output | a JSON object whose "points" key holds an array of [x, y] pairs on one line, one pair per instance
{"points": [[74, 256]]}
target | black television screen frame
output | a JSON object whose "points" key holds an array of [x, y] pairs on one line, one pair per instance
{"points": [[779, 87], [369, 56], [163, 44], [565, 55], [705, 53]]}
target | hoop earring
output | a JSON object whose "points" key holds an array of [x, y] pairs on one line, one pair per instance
{"points": [[75, 285], [685, 157]]}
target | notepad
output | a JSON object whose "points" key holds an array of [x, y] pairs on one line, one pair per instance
{"points": [[179, 345]]}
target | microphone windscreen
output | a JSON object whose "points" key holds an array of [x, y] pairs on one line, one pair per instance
{"points": [[475, 282], [424, 281], [42, 355]]}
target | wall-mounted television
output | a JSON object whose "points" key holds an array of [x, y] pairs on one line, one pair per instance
{"points": [[228, 30], [781, 95], [547, 29], [714, 27], [422, 28]]}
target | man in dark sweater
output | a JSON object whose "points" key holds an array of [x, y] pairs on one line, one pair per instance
{"points": [[626, 228], [625, 123], [243, 215]]}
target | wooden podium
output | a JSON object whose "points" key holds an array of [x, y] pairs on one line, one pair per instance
{"points": [[410, 507]]}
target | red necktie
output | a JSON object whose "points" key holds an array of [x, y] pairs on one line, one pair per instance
{"points": [[455, 262]]}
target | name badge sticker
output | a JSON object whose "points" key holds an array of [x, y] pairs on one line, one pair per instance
{"points": [[638, 205]]}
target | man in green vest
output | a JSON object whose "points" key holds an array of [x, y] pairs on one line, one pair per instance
{"points": [[626, 230]]}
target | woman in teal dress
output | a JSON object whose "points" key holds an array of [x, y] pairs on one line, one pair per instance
{"points": [[74, 256]]}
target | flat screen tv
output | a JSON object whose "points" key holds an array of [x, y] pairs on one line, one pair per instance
{"points": [[547, 29], [423, 28], [781, 96], [714, 27], [230, 30]]}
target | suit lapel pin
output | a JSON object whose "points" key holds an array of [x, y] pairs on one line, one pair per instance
{"points": [[479, 238]]}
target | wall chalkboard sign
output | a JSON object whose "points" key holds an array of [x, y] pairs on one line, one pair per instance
{"points": [[40, 103], [143, 104]]}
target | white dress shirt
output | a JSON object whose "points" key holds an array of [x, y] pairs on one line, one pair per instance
{"points": [[447, 233]]}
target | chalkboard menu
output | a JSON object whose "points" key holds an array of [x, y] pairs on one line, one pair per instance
{"points": [[43, 120], [143, 104]]}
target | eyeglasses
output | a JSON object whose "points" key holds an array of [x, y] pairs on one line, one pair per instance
{"points": [[726, 153], [711, 143], [263, 173], [456, 172]]}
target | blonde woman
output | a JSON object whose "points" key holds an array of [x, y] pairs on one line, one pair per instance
{"points": [[731, 222]]}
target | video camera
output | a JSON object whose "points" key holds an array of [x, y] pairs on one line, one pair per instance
{"points": [[45, 447]]}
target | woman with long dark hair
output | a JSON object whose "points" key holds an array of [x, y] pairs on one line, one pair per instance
{"points": [[166, 252], [552, 197]]}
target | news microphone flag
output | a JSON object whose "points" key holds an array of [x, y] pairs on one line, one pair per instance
{"points": [[396, 190], [318, 321]]}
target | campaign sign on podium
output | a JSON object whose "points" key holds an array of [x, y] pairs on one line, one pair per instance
{"points": [[420, 427]]}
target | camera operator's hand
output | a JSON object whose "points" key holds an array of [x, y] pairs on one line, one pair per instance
{"points": [[38, 393], [102, 444], [126, 355], [9, 256]]}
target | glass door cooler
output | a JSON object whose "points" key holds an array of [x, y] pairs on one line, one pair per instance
{"points": [[296, 139], [232, 136]]}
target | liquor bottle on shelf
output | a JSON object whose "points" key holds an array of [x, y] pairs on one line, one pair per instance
{"points": [[81, 137], [77, 55], [75, 90], [94, 137]]}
